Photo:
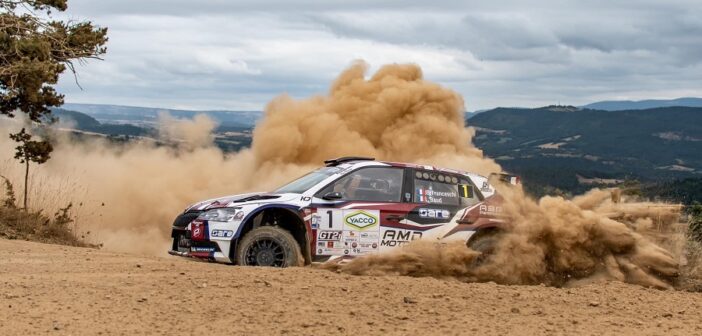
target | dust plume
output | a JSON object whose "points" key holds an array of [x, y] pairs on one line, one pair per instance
{"points": [[553, 241], [130, 193], [556, 241], [395, 115]]}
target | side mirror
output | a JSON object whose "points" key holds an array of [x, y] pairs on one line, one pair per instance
{"points": [[330, 196]]}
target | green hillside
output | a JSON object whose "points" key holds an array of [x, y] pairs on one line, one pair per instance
{"points": [[571, 149]]}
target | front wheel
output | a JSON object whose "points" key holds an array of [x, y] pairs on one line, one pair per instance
{"points": [[269, 246]]}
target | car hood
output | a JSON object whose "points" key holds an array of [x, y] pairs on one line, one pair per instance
{"points": [[241, 199]]}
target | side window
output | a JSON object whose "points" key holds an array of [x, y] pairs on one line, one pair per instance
{"points": [[373, 184], [444, 189]]}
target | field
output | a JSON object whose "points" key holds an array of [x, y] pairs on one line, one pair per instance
{"points": [[51, 289]]}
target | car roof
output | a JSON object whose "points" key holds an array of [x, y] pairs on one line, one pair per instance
{"points": [[425, 167], [370, 161]]}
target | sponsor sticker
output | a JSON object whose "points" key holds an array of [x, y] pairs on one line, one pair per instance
{"points": [[329, 235], [489, 209], [222, 233], [369, 235], [198, 230], [361, 220], [202, 249], [432, 196], [315, 220], [392, 238], [434, 213]]}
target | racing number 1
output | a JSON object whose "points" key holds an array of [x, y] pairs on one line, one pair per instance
{"points": [[465, 191], [332, 217]]}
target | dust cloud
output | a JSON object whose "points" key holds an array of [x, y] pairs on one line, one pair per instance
{"points": [[552, 241], [128, 195]]}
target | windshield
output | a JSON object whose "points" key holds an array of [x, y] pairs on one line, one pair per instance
{"points": [[302, 184]]}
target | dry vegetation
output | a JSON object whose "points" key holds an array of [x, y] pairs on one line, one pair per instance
{"points": [[691, 272], [17, 223]]}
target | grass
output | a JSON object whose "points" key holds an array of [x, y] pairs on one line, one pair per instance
{"points": [[17, 223], [691, 270]]}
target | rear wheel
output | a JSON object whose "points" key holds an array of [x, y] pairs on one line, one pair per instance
{"points": [[484, 242], [269, 246]]}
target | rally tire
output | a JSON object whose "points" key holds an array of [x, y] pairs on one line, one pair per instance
{"points": [[269, 246], [484, 242]]}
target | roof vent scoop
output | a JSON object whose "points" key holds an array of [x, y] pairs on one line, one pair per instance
{"points": [[338, 161]]}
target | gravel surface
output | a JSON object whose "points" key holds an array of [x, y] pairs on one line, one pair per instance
{"points": [[50, 289]]}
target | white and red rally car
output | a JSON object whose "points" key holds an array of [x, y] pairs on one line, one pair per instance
{"points": [[351, 207]]}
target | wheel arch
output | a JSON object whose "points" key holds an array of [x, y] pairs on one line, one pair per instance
{"points": [[284, 216], [484, 231]]}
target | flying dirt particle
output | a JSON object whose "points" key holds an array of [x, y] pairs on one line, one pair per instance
{"points": [[593, 304], [409, 300]]}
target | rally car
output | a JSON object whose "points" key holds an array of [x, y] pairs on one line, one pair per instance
{"points": [[351, 207]]}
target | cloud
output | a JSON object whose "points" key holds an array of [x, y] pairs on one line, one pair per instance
{"points": [[215, 54]]}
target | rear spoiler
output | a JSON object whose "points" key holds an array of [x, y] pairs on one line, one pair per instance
{"points": [[507, 178], [338, 161]]}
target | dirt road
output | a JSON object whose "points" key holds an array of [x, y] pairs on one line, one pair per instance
{"points": [[49, 289]]}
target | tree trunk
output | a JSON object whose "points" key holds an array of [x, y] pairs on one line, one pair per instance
{"points": [[26, 181]]}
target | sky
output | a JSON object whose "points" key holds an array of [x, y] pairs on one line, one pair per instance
{"points": [[238, 55]]}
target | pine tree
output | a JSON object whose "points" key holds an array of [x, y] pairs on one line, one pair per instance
{"points": [[30, 151], [34, 51]]}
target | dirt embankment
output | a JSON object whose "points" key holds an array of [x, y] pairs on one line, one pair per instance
{"points": [[48, 289]]}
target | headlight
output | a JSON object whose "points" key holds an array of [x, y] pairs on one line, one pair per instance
{"points": [[222, 215]]}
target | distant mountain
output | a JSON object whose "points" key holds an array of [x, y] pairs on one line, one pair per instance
{"points": [[76, 119], [619, 105], [148, 115], [228, 136], [83, 122], [572, 149]]}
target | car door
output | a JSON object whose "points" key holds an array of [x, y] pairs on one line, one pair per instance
{"points": [[439, 199], [347, 215]]}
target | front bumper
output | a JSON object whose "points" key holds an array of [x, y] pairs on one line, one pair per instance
{"points": [[184, 246]]}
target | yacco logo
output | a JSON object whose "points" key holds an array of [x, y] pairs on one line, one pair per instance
{"points": [[361, 220]]}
